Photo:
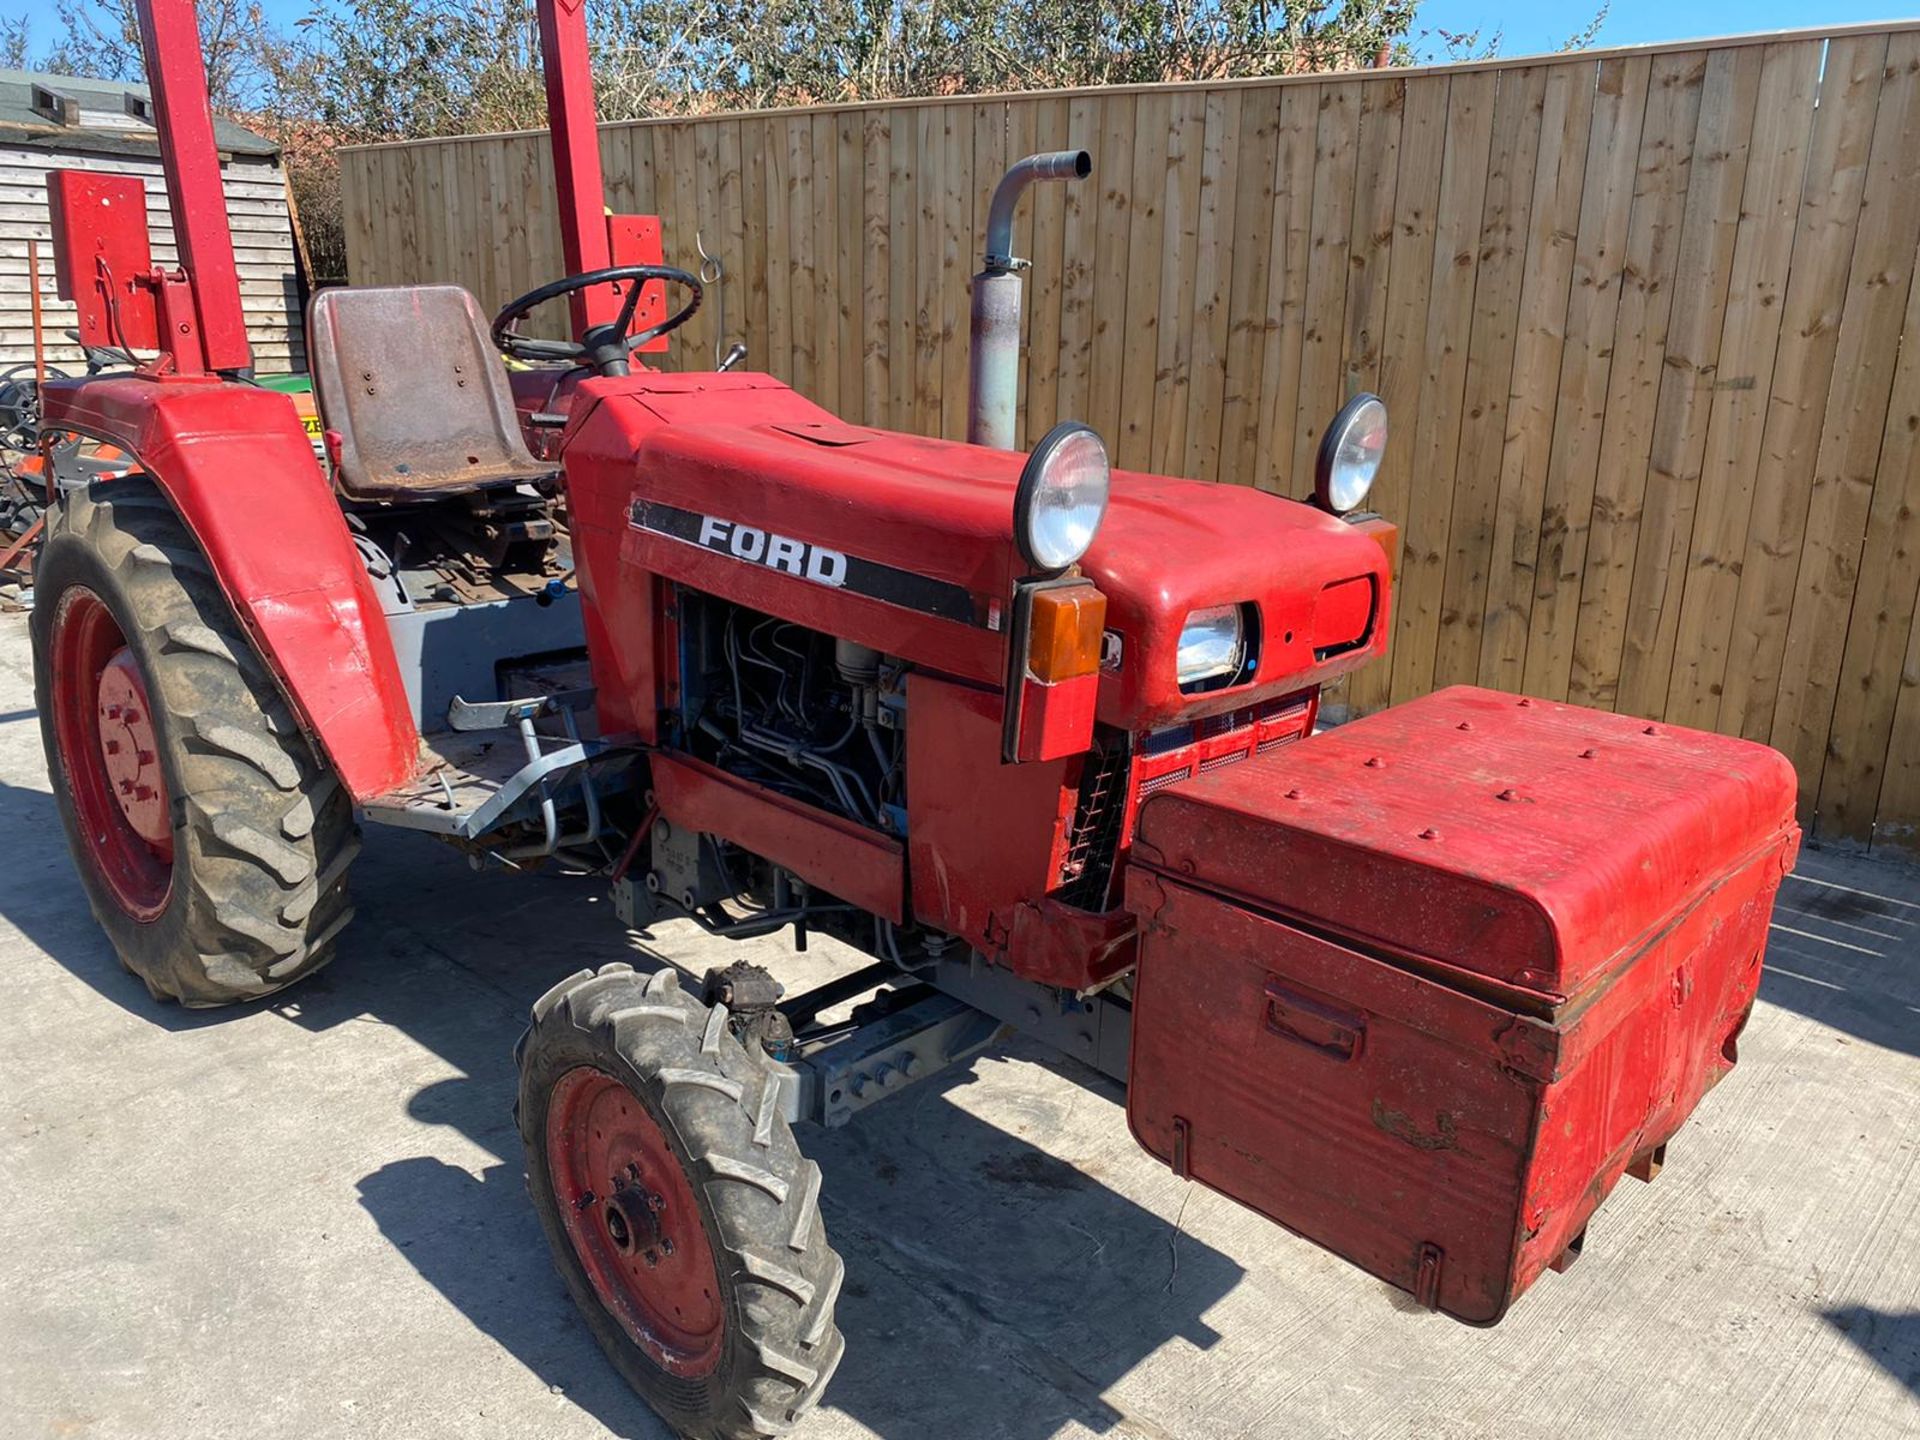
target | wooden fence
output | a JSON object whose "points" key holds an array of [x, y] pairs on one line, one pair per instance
{"points": [[1637, 316]]}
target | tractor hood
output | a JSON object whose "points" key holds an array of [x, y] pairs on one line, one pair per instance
{"points": [[735, 485]]}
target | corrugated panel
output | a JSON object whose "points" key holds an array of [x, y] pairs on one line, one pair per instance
{"points": [[263, 250]]}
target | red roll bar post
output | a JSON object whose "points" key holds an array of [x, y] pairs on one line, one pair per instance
{"points": [[177, 79], [567, 63]]}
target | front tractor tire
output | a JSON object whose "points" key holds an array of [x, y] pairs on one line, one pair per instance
{"points": [[212, 839], [681, 1214]]}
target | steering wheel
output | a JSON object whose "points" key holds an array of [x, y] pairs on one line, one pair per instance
{"points": [[603, 347]]}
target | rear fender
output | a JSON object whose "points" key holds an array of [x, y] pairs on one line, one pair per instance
{"points": [[238, 468]]}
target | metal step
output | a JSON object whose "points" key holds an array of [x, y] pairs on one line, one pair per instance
{"points": [[460, 772], [497, 764]]}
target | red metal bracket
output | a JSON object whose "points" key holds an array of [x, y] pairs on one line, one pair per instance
{"points": [[182, 351]]}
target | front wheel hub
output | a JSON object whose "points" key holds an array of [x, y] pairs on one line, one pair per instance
{"points": [[634, 1221], [130, 750], [110, 751]]}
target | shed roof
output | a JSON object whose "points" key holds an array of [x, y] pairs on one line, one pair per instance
{"points": [[106, 122]]}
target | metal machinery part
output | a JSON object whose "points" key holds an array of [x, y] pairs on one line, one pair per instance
{"points": [[993, 363]]}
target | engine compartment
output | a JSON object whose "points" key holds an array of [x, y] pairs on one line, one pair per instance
{"points": [[803, 714]]}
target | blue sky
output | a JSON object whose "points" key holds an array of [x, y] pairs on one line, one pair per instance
{"points": [[1528, 28], [1532, 28]]}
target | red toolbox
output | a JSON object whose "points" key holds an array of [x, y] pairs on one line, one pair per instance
{"points": [[1422, 988]]}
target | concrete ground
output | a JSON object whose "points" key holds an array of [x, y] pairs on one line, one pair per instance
{"points": [[307, 1220]]}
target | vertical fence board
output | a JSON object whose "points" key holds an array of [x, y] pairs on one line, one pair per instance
{"points": [[1328, 242], [1108, 293], [1287, 261], [960, 206], [829, 290], [1249, 255], [1180, 242], [753, 213], [1436, 437], [1519, 110], [931, 271], [1763, 246], [1622, 101], [1140, 351], [1039, 125], [1686, 389], [1080, 206], [1416, 198], [903, 284], [876, 269], [1870, 689], [1662, 179], [733, 236], [1567, 129], [1370, 238]]}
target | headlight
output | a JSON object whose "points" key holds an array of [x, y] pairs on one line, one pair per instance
{"points": [[1213, 643], [1062, 497], [1350, 454]]}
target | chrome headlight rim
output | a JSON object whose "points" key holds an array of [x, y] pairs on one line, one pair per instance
{"points": [[1050, 549], [1341, 463], [1234, 652]]}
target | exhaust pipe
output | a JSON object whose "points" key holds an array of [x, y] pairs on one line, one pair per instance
{"points": [[993, 361]]}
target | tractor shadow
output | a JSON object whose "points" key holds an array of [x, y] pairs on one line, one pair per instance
{"points": [[993, 1289], [1844, 948], [1891, 1341]]}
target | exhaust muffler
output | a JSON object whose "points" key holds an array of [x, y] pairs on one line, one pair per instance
{"points": [[993, 361]]}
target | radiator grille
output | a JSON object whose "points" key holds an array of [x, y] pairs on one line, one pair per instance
{"points": [[1093, 842], [1117, 779]]}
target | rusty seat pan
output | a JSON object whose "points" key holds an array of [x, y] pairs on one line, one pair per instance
{"points": [[408, 378]]}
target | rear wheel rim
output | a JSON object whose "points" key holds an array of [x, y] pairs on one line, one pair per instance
{"points": [[634, 1222], [110, 752]]}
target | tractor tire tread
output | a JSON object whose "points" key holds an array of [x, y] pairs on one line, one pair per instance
{"points": [[715, 1101], [264, 831]]}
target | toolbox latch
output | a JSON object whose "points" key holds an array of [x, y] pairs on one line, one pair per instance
{"points": [[1313, 1023]]}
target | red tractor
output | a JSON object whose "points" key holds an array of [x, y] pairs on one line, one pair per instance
{"points": [[1037, 736]]}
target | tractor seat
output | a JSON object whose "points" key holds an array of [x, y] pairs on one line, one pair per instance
{"points": [[408, 378]]}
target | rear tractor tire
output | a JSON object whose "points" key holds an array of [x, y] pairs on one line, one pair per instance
{"points": [[212, 839], [681, 1214]]}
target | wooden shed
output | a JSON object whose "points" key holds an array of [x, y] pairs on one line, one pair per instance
{"points": [[61, 122]]}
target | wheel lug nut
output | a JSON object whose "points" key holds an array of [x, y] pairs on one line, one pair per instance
{"points": [[666, 1245], [113, 747], [145, 757]]}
